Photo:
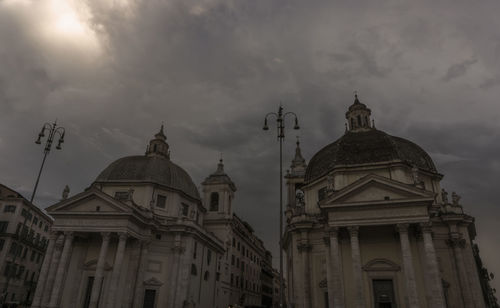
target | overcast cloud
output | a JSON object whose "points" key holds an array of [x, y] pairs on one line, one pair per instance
{"points": [[112, 71]]}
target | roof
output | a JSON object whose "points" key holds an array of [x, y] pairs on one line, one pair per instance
{"points": [[149, 169], [362, 147]]}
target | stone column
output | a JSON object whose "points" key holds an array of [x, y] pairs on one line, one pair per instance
{"points": [[99, 272], [409, 272], [47, 290], [117, 267], [185, 271], [177, 251], [437, 296], [304, 247], [457, 243], [337, 280], [61, 269], [139, 281], [357, 273], [329, 273], [42, 278]]}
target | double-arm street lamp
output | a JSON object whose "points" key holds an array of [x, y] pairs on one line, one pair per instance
{"points": [[52, 130], [280, 121]]}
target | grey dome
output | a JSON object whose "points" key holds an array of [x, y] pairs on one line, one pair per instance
{"points": [[149, 169], [371, 146]]}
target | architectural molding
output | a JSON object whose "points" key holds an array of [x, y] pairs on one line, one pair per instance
{"points": [[381, 265]]}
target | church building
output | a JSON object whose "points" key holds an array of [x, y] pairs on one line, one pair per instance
{"points": [[368, 225], [142, 236]]}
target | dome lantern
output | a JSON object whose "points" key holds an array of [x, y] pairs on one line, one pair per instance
{"points": [[358, 116], [158, 146]]}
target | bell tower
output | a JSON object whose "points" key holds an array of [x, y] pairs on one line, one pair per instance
{"points": [[218, 193], [295, 177]]}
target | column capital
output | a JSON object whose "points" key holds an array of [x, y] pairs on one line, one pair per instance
{"points": [[53, 235], [122, 236], [69, 234], [60, 240], [106, 236], [426, 227], [402, 228], [353, 231]]}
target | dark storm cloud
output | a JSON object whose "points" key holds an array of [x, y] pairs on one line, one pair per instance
{"points": [[212, 69]]}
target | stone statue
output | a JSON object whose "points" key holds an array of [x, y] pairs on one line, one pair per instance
{"points": [[65, 192], [130, 195], [444, 196], [299, 198], [455, 198], [414, 173], [330, 185]]}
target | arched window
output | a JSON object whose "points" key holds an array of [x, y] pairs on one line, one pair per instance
{"points": [[352, 123], [359, 121], [214, 202]]}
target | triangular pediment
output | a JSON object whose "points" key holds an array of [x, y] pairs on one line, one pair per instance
{"points": [[375, 189], [90, 201]]}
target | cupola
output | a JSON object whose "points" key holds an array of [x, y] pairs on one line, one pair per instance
{"points": [[358, 116], [158, 146]]}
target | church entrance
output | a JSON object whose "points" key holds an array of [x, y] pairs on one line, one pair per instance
{"points": [[383, 292]]}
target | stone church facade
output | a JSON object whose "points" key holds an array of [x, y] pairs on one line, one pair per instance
{"points": [[142, 236], [368, 225]]}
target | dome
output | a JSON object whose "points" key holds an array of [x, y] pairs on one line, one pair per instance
{"points": [[362, 147], [149, 169]]}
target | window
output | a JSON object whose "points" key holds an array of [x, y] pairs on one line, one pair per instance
{"points": [[3, 226], [232, 259], [359, 121], [232, 279], [33, 254], [18, 229], [9, 209], [121, 195], [158, 236], [194, 271], [26, 214], [214, 202], [195, 249], [238, 246], [13, 248], [40, 224], [2, 243], [206, 276], [161, 200], [234, 242], [209, 256], [46, 228], [35, 220], [321, 193], [185, 209]]}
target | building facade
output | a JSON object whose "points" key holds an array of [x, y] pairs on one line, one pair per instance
{"points": [[368, 225], [142, 236], [245, 254], [24, 234]]}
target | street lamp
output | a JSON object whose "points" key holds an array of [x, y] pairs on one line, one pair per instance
{"points": [[52, 130], [280, 121]]}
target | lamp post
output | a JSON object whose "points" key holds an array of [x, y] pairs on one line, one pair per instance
{"points": [[280, 121], [53, 130]]}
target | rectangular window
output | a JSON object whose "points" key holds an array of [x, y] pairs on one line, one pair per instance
{"points": [[35, 220], [232, 259], [9, 209], [3, 226], [26, 214], [161, 200], [195, 249], [185, 209], [322, 193], [383, 293], [121, 195], [88, 291], [2, 243]]}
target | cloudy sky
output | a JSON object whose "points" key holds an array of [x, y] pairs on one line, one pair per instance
{"points": [[112, 71]]}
